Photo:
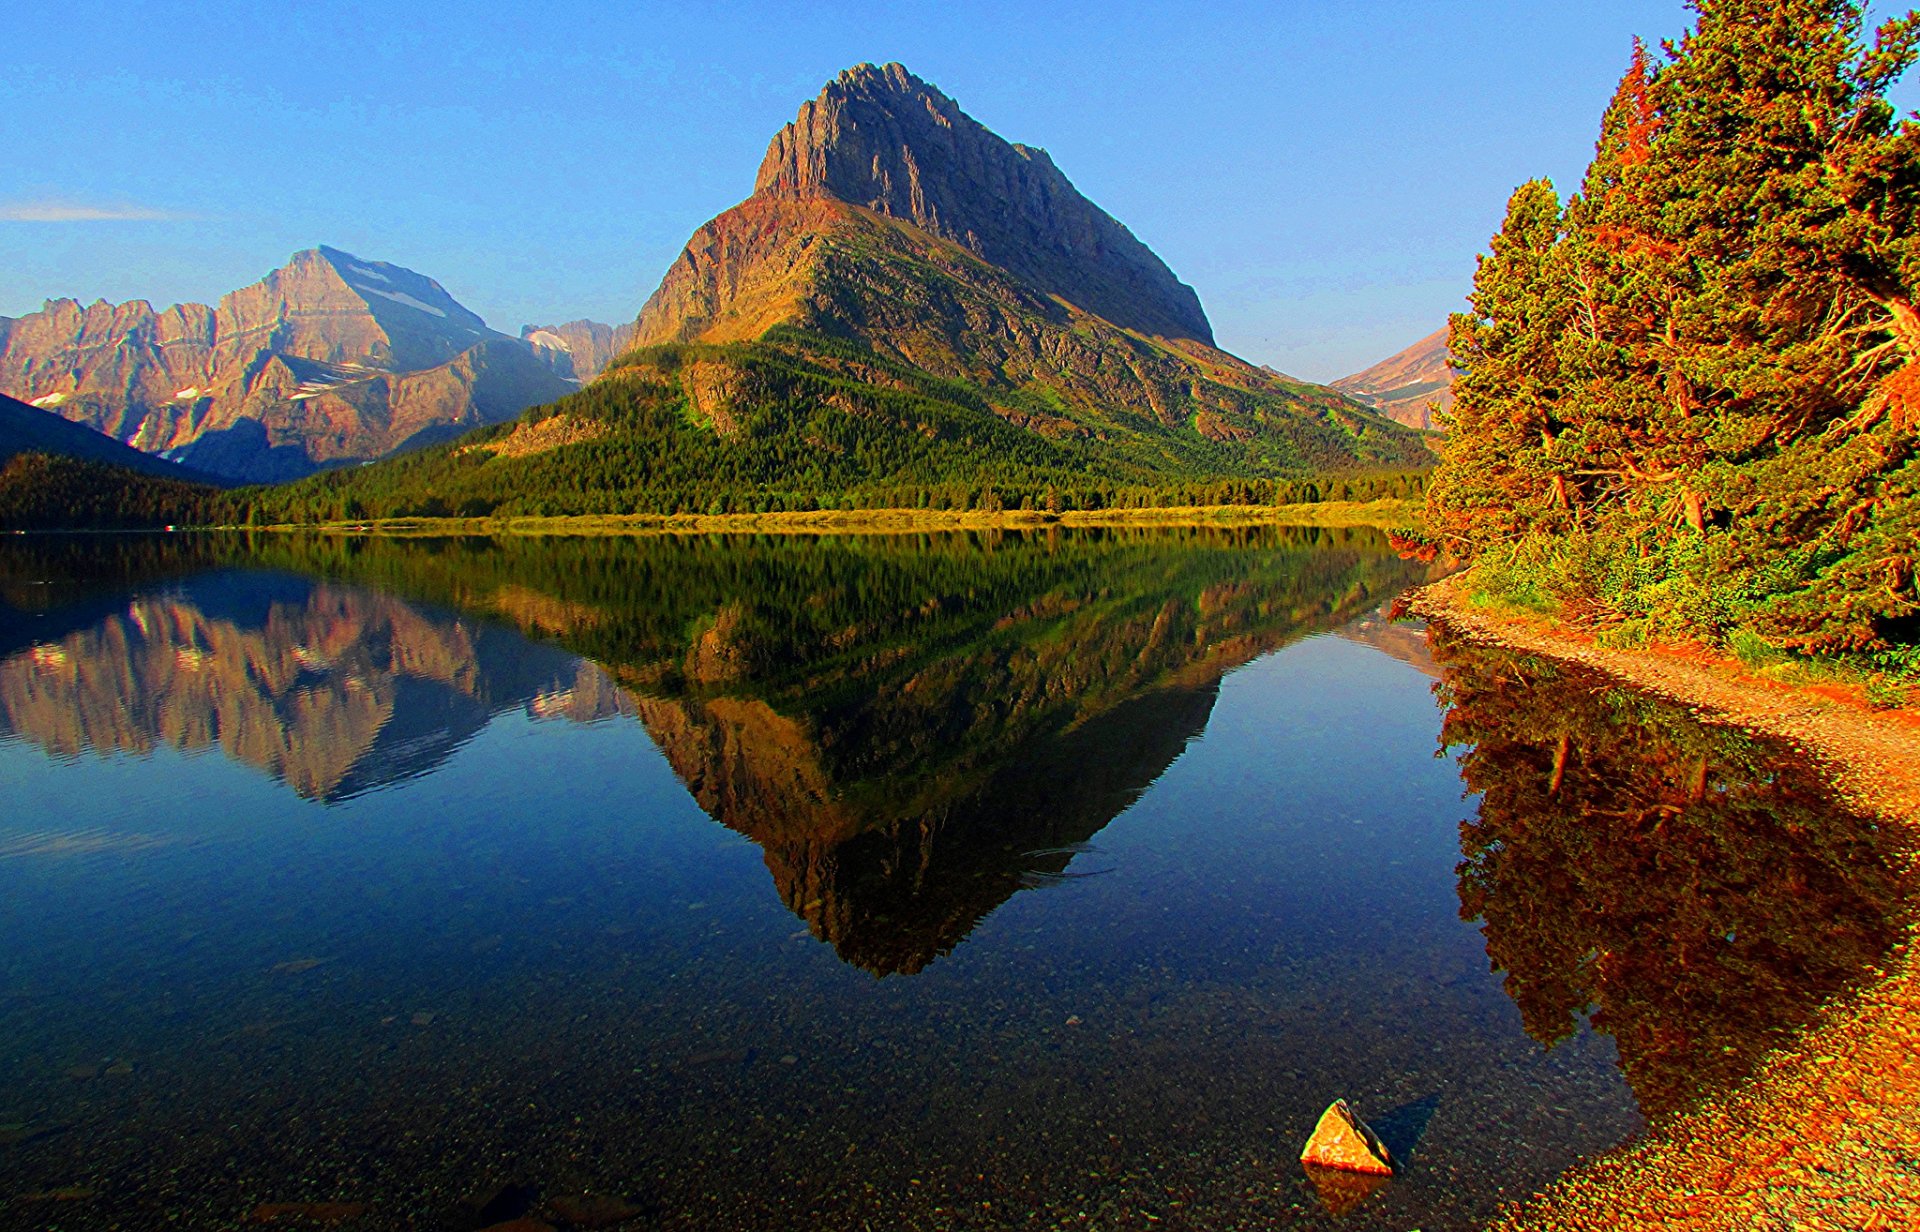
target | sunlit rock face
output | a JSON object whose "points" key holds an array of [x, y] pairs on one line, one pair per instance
{"points": [[578, 350], [329, 359], [1413, 387], [1698, 893], [882, 139], [332, 690]]}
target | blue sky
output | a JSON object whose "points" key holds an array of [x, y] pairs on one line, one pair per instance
{"points": [[1322, 173]]}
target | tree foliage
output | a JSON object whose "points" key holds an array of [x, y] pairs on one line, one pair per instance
{"points": [[1690, 400], [41, 491]]}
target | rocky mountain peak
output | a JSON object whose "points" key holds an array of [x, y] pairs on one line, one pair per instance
{"points": [[883, 139], [330, 358]]}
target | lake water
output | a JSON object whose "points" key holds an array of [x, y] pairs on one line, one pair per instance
{"points": [[966, 881]]}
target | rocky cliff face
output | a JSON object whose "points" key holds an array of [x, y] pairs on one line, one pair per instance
{"points": [[329, 359], [885, 140], [1410, 387], [578, 350]]}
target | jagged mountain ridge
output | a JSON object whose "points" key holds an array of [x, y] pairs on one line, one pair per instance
{"points": [[1412, 387], [883, 139], [327, 360]]}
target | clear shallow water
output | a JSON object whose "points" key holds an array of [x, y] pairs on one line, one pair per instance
{"points": [[953, 882]]}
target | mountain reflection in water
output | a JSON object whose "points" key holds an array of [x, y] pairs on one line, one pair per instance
{"points": [[332, 690], [1696, 892], [912, 729], [435, 908]]}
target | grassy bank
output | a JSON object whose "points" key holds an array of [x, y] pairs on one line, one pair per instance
{"points": [[1383, 514]]}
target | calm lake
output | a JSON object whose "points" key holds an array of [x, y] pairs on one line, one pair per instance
{"points": [[961, 881]]}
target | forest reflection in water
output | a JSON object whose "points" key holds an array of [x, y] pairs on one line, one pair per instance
{"points": [[1695, 891], [912, 728], [927, 739]]}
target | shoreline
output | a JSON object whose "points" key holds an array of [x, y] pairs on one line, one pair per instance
{"points": [[1824, 1134], [1379, 514]]}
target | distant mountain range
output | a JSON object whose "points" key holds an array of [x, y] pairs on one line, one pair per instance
{"points": [[578, 350], [1411, 387], [330, 359], [907, 309], [905, 301]]}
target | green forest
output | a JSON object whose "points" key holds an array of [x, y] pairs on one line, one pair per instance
{"points": [[41, 491], [1688, 403], [790, 428], [786, 431]]}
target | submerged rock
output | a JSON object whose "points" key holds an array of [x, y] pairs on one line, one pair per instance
{"points": [[1342, 1141], [307, 1212], [592, 1211]]}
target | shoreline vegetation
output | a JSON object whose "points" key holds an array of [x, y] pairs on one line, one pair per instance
{"points": [[1821, 1137], [1390, 515], [1688, 402]]}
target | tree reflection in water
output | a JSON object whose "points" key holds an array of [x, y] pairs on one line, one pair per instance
{"points": [[1697, 891]]}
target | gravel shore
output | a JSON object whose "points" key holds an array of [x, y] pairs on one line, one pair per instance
{"points": [[1827, 1134]]}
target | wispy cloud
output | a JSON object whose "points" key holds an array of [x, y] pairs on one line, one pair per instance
{"points": [[48, 210]]}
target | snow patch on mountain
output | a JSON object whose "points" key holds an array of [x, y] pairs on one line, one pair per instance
{"points": [[401, 297]]}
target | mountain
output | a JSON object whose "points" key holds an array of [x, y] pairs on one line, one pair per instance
{"points": [[57, 474], [884, 216], [1410, 387], [578, 350], [28, 429], [908, 311], [328, 360], [886, 141]]}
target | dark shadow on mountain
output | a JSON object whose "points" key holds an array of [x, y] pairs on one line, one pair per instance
{"points": [[244, 453]]}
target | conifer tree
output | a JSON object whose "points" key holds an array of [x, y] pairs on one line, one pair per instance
{"points": [[1728, 322], [1498, 480]]}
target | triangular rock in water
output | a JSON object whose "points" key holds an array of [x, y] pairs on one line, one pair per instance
{"points": [[1342, 1141]]}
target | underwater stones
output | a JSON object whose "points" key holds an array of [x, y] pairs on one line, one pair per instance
{"points": [[593, 1211], [307, 1212], [1342, 1142]]}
